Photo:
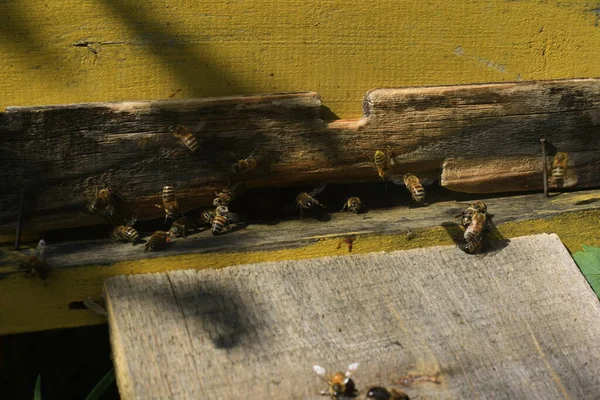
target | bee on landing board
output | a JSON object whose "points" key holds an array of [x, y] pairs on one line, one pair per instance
{"points": [[223, 220], [559, 166], [306, 201], [126, 232], [158, 241], [381, 393], [383, 162], [103, 198], [248, 164], [415, 188], [339, 384], [169, 203], [36, 265], [181, 227], [353, 205], [184, 134], [228, 195], [474, 233], [207, 217], [467, 215]]}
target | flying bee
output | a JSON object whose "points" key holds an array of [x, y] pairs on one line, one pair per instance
{"points": [[340, 384], [559, 166], [381, 393], [169, 203], [158, 241], [383, 162], [248, 164], [228, 195], [181, 227], [36, 265], [467, 215], [207, 217], [353, 205], [186, 137], [306, 201], [415, 188], [103, 198], [474, 233]]}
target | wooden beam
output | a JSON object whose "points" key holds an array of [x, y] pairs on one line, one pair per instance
{"points": [[63, 154], [30, 304], [483, 326]]}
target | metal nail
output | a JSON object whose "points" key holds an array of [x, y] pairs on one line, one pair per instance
{"points": [[544, 166]]}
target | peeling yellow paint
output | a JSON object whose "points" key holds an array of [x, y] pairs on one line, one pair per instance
{"points": [[68, 51]]}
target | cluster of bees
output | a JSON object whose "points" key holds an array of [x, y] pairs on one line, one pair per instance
{"points": [[341, 386]]}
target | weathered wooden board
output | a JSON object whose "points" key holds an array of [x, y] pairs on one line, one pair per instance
{"points": [[294, 233], [63, 154], [521, 323]]}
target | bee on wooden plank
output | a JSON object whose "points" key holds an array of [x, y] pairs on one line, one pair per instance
{"points": [[223, 221], [381, 393], [184, 134], [103, 198], [559, 166], [353, 205], [306, 201], [384, 162], [126, 232], [415, 188], [169, 203], [181, 227], [248, 164], [467, 215], [207, 217], [474, 233], [340, 385], [36, 265], [228, 195], [158, 241]]}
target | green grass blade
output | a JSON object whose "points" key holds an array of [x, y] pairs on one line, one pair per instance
{"points": [[101, 386], [37, 392]]}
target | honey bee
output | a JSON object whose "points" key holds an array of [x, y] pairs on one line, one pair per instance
{"points": [[186, 137], [36, 265], [228, 195], [158, 241], [125, 233], [207, 217], [384, 162], [170, 204], [248, 164], [467, 215], [381, 393], [415, 188], [221, 210], [306, 201], [181, 227], [353, 205], [221, 223], [474, 232], [340, 384], [559, 167], [103, 198]]}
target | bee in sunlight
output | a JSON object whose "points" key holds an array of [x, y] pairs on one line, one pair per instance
{"points": [[384, 162], [415, 188], [340, 385], [474, 233], [467, 215], [559, 166]]}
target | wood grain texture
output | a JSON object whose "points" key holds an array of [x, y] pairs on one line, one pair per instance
{"points": [[69, 51], [519, 323], [63, 154]]}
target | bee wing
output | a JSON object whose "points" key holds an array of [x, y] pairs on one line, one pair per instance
{"points": [[132, 220], [317, 190], [319, 371], [40, 249], [351, 369]]}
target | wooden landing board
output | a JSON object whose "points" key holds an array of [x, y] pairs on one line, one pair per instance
{"points": [[63, 154], [519, 323]]}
